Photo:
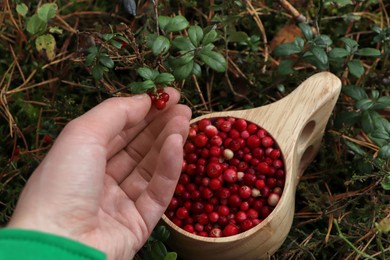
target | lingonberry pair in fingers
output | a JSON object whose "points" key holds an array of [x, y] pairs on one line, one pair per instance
{"points": [[159, 98], [232, 178]]}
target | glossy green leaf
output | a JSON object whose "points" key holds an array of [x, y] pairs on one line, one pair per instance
{"points": [[90, 59], [161, 233], [147, 73], [195, 33], [286, 67], [171, 256], [184, 71], [286, 49], [355, 68], [354, 92], [164, 78], [214, 60], [158, 250], [355, 148], [340, 3], [107, 36], [320, 54], [163, 21], [106, 61], [142, 87], [22, 9], [176, 24], [47, 12], [350, 45], [197, 70], [364, 104], [384, 151], [345, 118], [386, 186], [116, 44], [338, 53], [209, 37], [306, 30], [323, 40], [161, 45], [97, 72], [35, 25], [182, 60], [299, 42], [183, 43], [368, 52]]}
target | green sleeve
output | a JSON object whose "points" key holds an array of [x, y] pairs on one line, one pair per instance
{"points": [[33, 245]]}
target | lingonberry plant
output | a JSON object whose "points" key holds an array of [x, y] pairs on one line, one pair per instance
{"points": [[230, 185]]}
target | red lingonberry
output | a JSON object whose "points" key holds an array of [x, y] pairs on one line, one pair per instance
{"points": [[230, 230], [263, 168], [213, 217], [215, 184], [245, 192], [246, 224], [211, 131], [160, 104], [214, 169], [253, 141], [203, 123], [215, 232], [181, 213], [200, 140], [164, 96], [267, 141], [230, 175]]}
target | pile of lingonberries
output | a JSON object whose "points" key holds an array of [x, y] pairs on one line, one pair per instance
{"points": [[232, 178]]}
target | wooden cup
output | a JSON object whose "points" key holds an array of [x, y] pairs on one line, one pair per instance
{"points": [[297, 123]]}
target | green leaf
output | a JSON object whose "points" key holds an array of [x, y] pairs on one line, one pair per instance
{"points": [[46, 44], [350, 45], [347, 118], [323, 41], [384, 152], [299, 42], [306, 30], [93, 50], [209, 37], [161, 45], [372, 121], [183, 43], [195, 33], [386, 186], [355, 148], [339, 3], [47, 12], [147, 73], [368, 52], [161, 233], [338, 53], [197, 70], [142, 87], [354, 92], [286, 67], [364, 104], [176, 24], [22, 9], [55, 29], [35, 25], [171, 256], [116, 44], [97, 72], [164, 78], [238, 36], [163, 21], [184, 71], [90, 59], [106, 61], [355, 68], [286, 49], [182, 60], [320, 54], [214, 60], [158, 250], [107, 36]]}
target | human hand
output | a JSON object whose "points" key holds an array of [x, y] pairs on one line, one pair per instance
{"points": [[109, 176]]}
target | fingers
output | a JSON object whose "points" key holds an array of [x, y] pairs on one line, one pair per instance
{"points": [[149, 141], [154, 200], [127, 135], [135, 183], [105, 121]]}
